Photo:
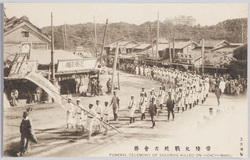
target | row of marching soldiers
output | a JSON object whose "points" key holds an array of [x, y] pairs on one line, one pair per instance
{"points": [[183, 96], [95, 116]]}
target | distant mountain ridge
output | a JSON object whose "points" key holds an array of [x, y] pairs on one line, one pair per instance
{"points": [[83, 34]]}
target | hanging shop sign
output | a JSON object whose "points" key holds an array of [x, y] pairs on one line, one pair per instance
{"points": [[76, 65]]}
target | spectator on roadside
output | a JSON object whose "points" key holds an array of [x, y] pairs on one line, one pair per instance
{"points": [[27, 135]]}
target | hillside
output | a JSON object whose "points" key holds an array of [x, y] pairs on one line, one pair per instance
{"points": [[230, 30]]}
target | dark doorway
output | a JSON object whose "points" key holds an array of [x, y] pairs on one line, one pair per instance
{"points": [[68, 86]]}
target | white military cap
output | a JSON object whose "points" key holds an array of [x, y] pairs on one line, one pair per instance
{"points": [[78, 99], [69, 98]]}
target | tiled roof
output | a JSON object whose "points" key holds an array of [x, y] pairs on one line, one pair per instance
{"points": [[44, 56], [142, 46], [15, 22]]}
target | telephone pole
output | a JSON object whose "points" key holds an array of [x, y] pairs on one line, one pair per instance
{"points": [[170, 56], [242, 33], [202, 54], [157, 35], [65, 35], [103, 41], [52, 50], [95, 39], [114, 66], [151, 37]]}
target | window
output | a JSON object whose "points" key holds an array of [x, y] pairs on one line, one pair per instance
{"points": [[25, 34]]}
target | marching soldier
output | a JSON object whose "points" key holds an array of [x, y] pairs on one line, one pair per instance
{"points": [[151, 96], [99, 111], [91, 114], [106, 115], [115, 105], [152, 111], [187, 98], [143, 92], [161, 95], [142, 105], [131, 109], [69, 113], [180, 100], [79, 116]]}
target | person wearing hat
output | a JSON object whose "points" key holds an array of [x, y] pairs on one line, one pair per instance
{"points": [[69, 113], [27, 135], [115, 105], [143, 105], [152, 111], [109, 85], [180, 101], [190, 96], [151, 95], [106, 115], [131, 109], [79, 116], [91, 115], [187, 97], [161, 95], [217, 93], [99, 111], [170, 106], [143, 92]]}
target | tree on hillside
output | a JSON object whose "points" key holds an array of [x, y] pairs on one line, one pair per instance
{"points": [[239, 65]]}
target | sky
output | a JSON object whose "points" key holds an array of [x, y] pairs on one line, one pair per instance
{"points": [[136, 13]]}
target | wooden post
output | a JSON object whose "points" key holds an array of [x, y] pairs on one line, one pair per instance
{"points": [[242, 33], [157, 35], [170, 56], [63, 37], [52, 51], [65, 34], [103, 41], [202, 55], [118, 76], [114, 67], [173, 49], [95, 39], [151, 37]]}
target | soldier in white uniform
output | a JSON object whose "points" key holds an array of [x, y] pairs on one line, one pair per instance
{"points": [[91, 115], [69, 113], [143, 105], [99, 111], [161, 95], [106, 116], [187, 97], [151, 95], [131, 109], [79, 116], [190, 100]]}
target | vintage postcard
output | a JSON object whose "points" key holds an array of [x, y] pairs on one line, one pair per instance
{"points": [[125, 80]]}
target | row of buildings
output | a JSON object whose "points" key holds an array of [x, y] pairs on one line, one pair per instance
{"points": [[28, 49], [218, 53]]}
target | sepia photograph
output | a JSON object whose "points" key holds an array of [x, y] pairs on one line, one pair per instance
{"points": [[125, 80]]}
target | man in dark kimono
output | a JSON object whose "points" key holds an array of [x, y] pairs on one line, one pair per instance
{"points": [[27, 135], [152, 111]]}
